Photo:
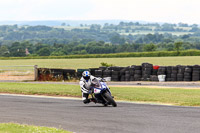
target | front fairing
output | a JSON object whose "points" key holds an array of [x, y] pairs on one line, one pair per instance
{"points": [[99, 90], [99, 87]]}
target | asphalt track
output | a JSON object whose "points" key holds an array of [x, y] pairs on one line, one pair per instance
{"points": [[74, 116]]}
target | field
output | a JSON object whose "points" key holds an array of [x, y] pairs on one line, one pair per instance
{"points": [[95, 62], [153, 32], [174, 96], [123, 32]]}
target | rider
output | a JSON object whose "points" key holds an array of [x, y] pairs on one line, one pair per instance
{"points": [[85, 84]]}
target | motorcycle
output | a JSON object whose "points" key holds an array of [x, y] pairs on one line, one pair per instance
{"points": [[101, 93]]}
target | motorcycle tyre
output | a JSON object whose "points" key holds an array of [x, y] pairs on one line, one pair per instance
{"points": [[109, 98]]}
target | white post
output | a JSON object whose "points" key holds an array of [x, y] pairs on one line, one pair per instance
{"points": [[36, 72]]}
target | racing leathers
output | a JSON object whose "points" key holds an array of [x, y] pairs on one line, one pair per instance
{"points": [[86, 88]]}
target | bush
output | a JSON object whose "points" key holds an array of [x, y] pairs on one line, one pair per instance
{"points": [[106, 64]]}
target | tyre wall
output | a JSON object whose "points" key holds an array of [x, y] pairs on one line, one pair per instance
{"points": [[149, 72], [143, 72]]}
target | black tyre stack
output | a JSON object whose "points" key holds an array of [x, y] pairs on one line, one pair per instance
{"points": [[122, 74], [168, 73], [188, 73], [127, 75], [195, 73], [102, 68], [115, 73], [98, 73], [138, 73], [180, 75], [107, 73], [92, 70], [174, 73], [146, 71], [115, 76], [132, 73], [161, 70]]}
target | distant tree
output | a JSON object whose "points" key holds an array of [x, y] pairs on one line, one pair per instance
{"points": [[167, 27], [121, 23], [4, 51], [150, 47], [185, 36], [117, 39], [95, 27], [170, 47], [137, 23], [177, 46], [63, 24], [182, 24], [44, 51], [130, 23], [106, 24], [17, 50], [127, 30], [194, 25], [194, 29]]}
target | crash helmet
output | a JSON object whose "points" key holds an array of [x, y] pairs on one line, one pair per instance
{"points": [[86, 75]]}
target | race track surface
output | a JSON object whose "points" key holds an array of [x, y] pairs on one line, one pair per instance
{"points": [[74, 116]]}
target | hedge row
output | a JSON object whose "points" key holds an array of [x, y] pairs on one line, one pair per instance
{"points": [[115, 55]]}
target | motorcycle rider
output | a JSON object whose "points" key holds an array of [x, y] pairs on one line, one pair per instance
{"points": [[85, 84]]}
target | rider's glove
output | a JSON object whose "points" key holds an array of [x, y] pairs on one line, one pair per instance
{"points": [[103, 80]]}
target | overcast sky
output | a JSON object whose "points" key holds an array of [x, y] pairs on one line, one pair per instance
{"points": [[173, 11]]}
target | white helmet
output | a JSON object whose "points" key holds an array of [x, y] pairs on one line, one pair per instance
{"points": [[86, 75]]}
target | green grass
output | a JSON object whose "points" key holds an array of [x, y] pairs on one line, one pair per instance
{"points": [[40, 89], [17, 128], [175, 96], [95, 62]]}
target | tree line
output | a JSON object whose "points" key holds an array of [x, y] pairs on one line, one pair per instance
{"points": [[22, 49], [19, 41]]}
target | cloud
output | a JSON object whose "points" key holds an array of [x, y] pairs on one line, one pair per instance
{"points": [[43, 9], [147, 10]]}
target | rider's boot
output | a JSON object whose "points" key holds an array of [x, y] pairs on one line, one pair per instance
{"points": [[86, 101]]}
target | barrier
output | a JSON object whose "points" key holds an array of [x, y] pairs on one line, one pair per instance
{"points": [[20, 72]]}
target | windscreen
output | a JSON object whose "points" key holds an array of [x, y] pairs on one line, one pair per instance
{"points": [[95, 83]]}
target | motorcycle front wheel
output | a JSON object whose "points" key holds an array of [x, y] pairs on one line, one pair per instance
{"points": [[109, 99]]}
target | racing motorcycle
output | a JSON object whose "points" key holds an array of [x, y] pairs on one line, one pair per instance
{"points": [[101, 93]]}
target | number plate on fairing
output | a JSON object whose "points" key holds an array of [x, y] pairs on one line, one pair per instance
{"points": [[96, 91]]}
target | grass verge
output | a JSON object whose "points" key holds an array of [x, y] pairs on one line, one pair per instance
{"points": [[175, 96], [17, 128]]}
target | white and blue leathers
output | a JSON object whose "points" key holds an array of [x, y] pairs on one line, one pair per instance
{"points": [[85, 87]]}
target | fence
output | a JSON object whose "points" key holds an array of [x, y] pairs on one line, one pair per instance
{"points": [[52, 74], [22, 72]]}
